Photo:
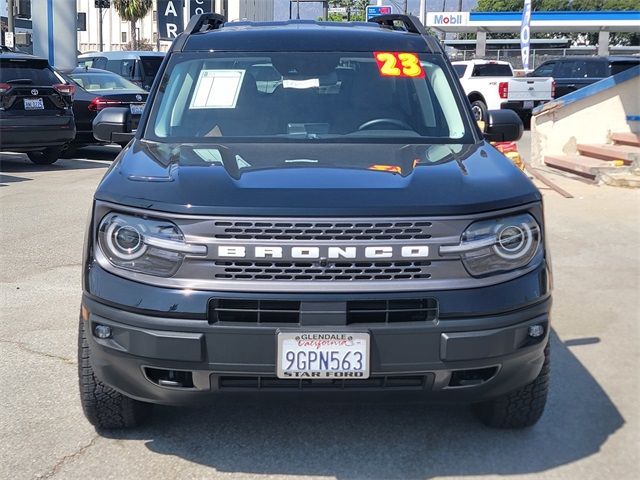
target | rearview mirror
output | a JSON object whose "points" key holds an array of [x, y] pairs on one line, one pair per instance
{"points": [[113, 125], [503, 126]]}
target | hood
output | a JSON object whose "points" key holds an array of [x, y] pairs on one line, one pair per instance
{"points": [[315, 179]]}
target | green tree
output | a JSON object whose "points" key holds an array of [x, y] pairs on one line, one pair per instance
{"points": [[356, 10], [131, 11], [517, 5]]}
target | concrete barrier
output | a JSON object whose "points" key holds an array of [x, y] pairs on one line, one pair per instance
{"points": [[589, 115]]}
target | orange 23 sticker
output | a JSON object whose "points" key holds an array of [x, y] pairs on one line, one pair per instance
{"points": [[399, 64]]}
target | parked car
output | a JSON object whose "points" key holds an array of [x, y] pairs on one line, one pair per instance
{"points": [[98, 89], [491, 85], [573, 73], [140, 67], [35, 108], [346, 229]]}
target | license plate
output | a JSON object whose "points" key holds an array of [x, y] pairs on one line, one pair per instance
{"points": [[136, 109], [323, 355], [528, 104], [33, 104]]}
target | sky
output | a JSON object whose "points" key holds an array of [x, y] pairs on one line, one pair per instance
{"points": [[313, 11]]}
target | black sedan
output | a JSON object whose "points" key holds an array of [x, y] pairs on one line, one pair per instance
{"points": [[98, 89]]}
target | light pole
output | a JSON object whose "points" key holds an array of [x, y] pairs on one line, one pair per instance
{"points": [[10, 11]]}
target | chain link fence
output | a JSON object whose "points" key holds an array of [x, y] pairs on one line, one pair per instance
{"points": [[538, 56]]}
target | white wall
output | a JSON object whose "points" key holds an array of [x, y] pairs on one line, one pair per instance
{"points": [[589, 120]]}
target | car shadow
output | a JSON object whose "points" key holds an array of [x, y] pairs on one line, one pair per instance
{"points": [[388, 440], [5, 180], [85, 158]]}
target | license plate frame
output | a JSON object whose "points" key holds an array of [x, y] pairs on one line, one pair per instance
{"points": [[325, 342], [33, 103], [136, 108], [527, 104]]}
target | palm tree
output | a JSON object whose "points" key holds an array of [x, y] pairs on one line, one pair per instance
{"points": [[131, 11]]}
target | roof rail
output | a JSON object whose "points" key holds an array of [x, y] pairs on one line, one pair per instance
{"points": [[204, 22], [411, 23]]}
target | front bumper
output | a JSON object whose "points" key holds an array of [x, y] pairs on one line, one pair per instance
{"points": [[428, 358]]}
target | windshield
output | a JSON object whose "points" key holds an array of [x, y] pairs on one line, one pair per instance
{"points": [[103, 81], [312, 96]]}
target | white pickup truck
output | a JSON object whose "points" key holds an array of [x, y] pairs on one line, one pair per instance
{"points": [[490, 85]]}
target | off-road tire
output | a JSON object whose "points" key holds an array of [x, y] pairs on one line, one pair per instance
{"points": [[103, 406], [521, 408], [47, 156]]}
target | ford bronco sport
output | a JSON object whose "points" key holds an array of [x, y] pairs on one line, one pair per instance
{"points": [[311, 207]]}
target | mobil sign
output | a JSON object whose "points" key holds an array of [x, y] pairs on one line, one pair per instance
{"points": [[447, 18]]}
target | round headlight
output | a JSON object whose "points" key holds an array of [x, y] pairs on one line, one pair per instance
{"points": [[513, 241], [125, 241]]}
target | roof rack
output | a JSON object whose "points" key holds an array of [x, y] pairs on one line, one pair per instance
{"points": [[198, 23], [204, 22], [411, 23]]}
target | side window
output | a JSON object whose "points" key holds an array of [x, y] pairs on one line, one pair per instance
{"points": [[99, 62], [114, 66], [573, 69], [127, 68], [566, 69], [617, 67], [460, 69], [596, 69], [545, 70]]}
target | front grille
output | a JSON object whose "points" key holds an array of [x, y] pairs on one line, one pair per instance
{"points": [[389, 382], [392, 311], [339, 271], [254, 311], [232, 310], [338, 230]]}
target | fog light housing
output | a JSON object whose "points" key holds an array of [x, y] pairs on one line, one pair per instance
{"points": [[535, 331], [102, 331]]}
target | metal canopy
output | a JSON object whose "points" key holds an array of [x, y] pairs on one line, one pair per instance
{"points": [[550, 22]]}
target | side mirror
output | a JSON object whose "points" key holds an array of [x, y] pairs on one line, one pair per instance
{"points": [[113, 125], [503, 126]]}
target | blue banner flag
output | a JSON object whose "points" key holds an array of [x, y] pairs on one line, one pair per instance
{"points": [[525, 34]]}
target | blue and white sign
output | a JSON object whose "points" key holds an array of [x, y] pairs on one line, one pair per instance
{"points": [[525, 34], [377, 10]]}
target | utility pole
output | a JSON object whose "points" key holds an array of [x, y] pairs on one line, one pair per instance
{"points": [[100, 26], [298, 10], [10, 12]]}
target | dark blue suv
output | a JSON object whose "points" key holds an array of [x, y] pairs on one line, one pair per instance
{"points": [[310, 207]]}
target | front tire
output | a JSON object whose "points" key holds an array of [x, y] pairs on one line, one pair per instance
{"points": [[103, 406], [48, 156], [521, 408]]}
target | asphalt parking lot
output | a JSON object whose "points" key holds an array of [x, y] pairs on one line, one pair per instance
{"points": [[590, 429]]}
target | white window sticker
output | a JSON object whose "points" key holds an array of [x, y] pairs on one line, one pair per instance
{"points": [[310, 83], [217, 89]]}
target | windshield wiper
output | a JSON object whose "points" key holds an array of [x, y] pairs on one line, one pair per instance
{"points": [[20, 80]]}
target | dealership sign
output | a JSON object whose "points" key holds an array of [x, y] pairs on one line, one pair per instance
{"points": [[198, 7], [170, 18]]}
